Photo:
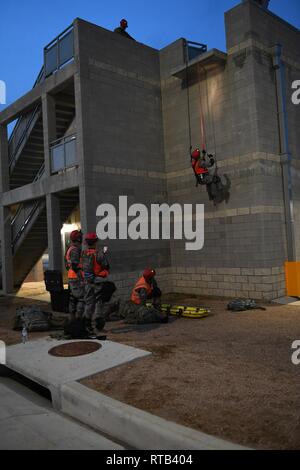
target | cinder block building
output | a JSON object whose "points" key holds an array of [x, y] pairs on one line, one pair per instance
{"points": [[109, 117]]}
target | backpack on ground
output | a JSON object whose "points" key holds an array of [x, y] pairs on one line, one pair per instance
{"points": [[33, 318], [241, 305]]}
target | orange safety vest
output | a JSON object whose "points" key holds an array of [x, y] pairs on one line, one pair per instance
{"points": [[98, 271], [71, 272], [141, 284]]}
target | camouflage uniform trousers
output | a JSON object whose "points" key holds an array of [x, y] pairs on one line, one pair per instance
{"points": [[93, 310], [140, 314], [76, 302]]}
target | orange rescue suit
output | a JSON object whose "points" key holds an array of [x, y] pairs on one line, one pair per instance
{"points": [[141, 284], [98, 271]]}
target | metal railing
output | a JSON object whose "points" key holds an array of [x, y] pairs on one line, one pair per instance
{"points": [[23, 124], [40, 77], [194, 49], [63, 153], [21, 133], [21, 219], [59, 52], [40, 173]]}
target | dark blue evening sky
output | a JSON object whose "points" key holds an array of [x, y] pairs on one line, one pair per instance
{"points": [[27, 26]]}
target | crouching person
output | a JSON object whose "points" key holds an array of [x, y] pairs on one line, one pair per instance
{"points": [[75, 278], [95, 267], [136, 311]]}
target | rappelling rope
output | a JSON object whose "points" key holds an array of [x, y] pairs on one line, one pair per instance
{"points": [[188, 93], [209, 113], [202, 126]]}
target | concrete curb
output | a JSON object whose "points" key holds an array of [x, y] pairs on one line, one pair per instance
{"points": [[132, 426]]}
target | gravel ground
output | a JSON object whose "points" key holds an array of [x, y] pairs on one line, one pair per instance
{"points": [[229, 375]]}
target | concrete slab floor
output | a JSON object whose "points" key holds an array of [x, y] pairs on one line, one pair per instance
{"points": [[294, 301], [33, 361], [32, 290], [28, 422]]}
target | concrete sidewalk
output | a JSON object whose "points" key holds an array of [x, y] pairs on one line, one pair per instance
{"points": [[28, 422], [136, 428], [33, 361]]}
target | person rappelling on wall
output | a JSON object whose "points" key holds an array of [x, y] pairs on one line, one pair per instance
{"points": [[204, 164], [206, 172]]}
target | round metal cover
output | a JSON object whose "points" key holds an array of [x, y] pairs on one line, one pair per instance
{"points": [[77, 348]]}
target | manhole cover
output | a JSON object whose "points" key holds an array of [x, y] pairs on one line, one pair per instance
{"points": [[78, 348]]}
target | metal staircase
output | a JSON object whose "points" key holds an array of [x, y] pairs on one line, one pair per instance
{"points": [[29, 233], [28, 249], [26, 144], [26, 165]]}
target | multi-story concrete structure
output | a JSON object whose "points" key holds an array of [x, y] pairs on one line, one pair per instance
{"points": [[109, 117]]}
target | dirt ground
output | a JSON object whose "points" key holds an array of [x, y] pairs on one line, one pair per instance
{"points": [[8, 306], [229, 375]]}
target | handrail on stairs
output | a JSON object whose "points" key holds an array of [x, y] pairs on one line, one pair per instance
{"points": [[27, 119], [24, 224], [63, 49], [24, 134]]}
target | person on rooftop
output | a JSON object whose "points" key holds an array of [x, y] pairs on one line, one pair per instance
{"points": [[122, 29]]}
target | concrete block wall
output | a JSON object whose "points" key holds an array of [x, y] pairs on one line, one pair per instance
{"points": [[122, 131], [263, 284], [239, 105], [135, 135], [255, 33], [133, 140]]}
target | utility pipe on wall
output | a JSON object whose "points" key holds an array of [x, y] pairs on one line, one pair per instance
{"points": [[286, 156]]}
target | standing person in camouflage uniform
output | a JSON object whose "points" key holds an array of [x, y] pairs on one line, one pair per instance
{"points": [[135, 311], [95, 267], [75, 279]]}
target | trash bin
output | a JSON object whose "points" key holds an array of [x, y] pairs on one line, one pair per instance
{"points": [[53, 281], [59, 296], [60, 301]]}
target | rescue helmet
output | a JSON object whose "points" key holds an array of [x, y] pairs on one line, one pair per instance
{"points": [[196, 154], [76, 236], [91, 237], [124, 23], [149, 273]]}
